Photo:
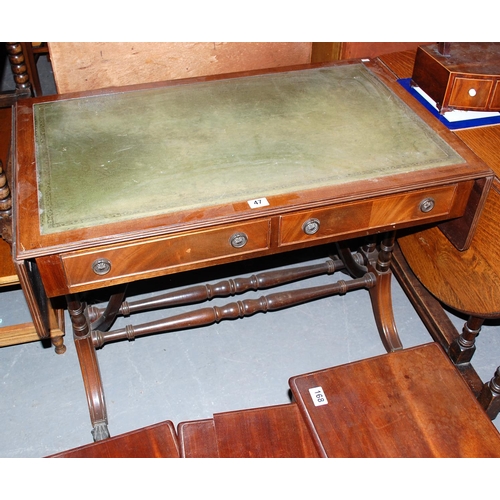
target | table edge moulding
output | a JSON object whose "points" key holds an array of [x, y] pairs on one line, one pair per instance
{"points": [[442, 182]]}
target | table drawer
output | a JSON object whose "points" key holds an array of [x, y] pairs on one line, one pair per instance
{"points": [[155, 256], [495, 99], [470, 93], [391, 211]]}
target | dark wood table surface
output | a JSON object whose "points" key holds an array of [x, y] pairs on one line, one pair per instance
{"points": [[409, 403]]}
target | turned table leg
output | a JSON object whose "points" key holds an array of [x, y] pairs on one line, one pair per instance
{"points": [[463, 347], [89, 367], [5, 207], [490, 396], [461, 351]]}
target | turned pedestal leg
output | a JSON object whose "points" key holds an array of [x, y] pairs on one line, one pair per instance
{"points": [[89, 367], [378, 263], [381, 296]]}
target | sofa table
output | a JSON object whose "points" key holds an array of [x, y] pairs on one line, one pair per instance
{"points": [[132, 183]]}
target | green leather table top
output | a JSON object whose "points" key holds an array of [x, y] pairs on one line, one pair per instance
{"points": [[134, 154]]}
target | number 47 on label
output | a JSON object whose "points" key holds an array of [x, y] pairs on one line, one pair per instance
{"points": [[258, 203]]}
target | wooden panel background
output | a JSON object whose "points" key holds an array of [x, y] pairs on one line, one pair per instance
{"points": [[373, 49], [333, 51], [93, 65]]}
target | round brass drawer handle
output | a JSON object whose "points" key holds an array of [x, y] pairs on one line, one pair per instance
{"points": [[101, 266], [238, 240], [311, 226], [427, 205]]}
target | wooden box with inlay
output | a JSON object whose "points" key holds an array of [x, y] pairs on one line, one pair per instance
{"points": [[465, 76]]}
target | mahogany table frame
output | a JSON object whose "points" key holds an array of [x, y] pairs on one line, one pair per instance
{"points": [[459, 192]]}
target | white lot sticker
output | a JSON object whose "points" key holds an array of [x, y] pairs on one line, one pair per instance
{"points": [[258, 203], [318, 396]]}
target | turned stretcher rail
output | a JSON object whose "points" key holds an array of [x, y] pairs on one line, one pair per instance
{"points": [[230, 287], [234, 310]]}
